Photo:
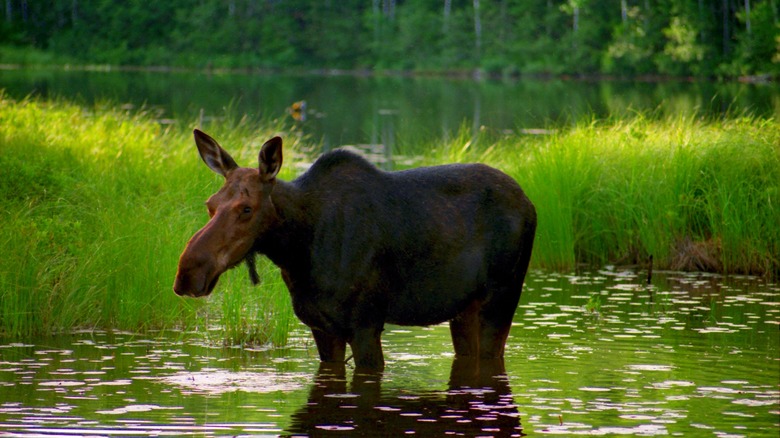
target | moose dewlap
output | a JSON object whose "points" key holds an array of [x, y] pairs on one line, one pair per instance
{"points": [[359, 247]]}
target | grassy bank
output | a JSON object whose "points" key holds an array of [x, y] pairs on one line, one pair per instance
{"points": [[693, 194], [96, 205]]}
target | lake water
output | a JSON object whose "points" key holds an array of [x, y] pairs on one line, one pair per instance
{"points": [[396, 112], [598, 353]]}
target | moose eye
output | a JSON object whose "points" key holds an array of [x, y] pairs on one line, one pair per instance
{"points": [[247, 210]]}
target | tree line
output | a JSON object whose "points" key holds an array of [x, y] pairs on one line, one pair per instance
{"points": [[723, 38]]}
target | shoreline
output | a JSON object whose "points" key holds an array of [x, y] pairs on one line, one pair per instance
{"points": [[461, 74]]}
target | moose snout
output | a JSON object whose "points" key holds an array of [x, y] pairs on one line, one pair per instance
{"points": [[182, 285], [194, 283], [195, 277]]}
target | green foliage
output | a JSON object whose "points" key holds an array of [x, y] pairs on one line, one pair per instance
{"points": [[681, 51], [594, 303], [631, 37], [632, 48], [756, 49], [30, 56]]}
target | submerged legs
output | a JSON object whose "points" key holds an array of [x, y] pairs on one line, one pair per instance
{"points": [[331, 348], [464, 330], [366, 347], [481, 330]]}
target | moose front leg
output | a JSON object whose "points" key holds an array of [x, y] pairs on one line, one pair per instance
{"points": [[367, 348]]}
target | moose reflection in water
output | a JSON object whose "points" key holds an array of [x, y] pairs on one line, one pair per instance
{"points": [[478, 402], [359, 247]]}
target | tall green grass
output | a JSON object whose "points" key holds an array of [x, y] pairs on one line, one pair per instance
{"points": [[693, 193], [97, 203], [96, 206]]}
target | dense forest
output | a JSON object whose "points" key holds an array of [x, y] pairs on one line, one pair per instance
{"points": [[723, 38]]}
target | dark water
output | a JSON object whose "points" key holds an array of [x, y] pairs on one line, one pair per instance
{"points": [[395, 112], [592, 354]]}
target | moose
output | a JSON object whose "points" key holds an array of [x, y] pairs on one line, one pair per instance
{"points": [[359, 247]]}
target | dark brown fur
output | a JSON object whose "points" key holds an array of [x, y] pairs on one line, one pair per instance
{"points": [[359, 247]]}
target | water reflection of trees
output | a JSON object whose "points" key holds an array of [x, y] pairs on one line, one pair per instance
{"points": [[478, 401], [396, 112]]}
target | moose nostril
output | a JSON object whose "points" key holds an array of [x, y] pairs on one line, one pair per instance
{"points": [[187, 281], [194, 282], [179, 286]]}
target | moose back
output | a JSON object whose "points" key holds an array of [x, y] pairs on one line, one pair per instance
{"points": [[359, 247]]}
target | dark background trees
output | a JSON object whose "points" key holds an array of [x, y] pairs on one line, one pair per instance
{"points": [[621, 37]]}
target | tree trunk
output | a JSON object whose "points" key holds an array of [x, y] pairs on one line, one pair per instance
{"points": [[375, 10], [9, 11], [445, 27], [389, 8], [701, 20], [547, 26], [477, 29], [623, 11], [646, 15], [725, 27], [747, 16], [575, 25], [502, 34]]}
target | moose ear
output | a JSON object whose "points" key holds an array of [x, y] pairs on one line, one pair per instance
{"points": [[213, 155], [270, 159]]}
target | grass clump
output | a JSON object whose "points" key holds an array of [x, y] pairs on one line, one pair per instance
{"points": [[695, 194], [97, 204]]}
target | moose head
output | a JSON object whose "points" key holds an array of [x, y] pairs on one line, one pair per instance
{"points": [[240, 212]]}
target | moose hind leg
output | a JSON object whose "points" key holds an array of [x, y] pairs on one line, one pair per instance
{"points": [[464, 330], [495, 320], [330, 347]]}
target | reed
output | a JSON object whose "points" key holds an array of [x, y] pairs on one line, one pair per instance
{"points": [[695, 194], [96, 204]]}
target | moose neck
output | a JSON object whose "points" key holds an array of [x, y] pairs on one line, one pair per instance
{"points": [[286, 242]]}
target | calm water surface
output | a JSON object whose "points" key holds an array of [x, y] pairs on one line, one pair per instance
{"points": [[397, 113], [594, 354]]}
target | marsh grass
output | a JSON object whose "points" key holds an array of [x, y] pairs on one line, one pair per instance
{"points": [[97, 203], [245, 312], [695, 194]]}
